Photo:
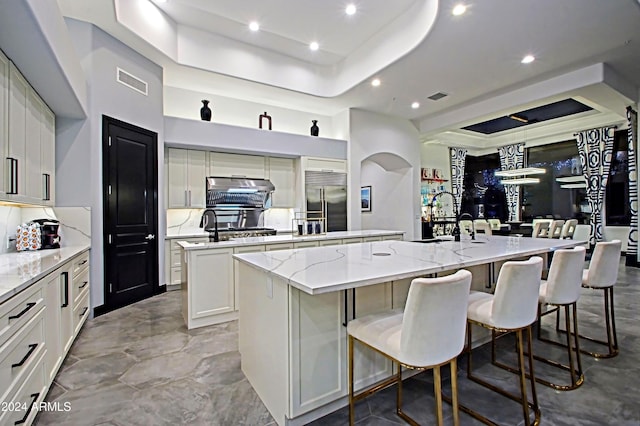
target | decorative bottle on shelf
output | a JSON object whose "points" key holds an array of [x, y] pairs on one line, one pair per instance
{"points": [[315, 130], [205, 111], [265, 116]]}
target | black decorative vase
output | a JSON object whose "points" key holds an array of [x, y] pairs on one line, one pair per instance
{"points": [[205, 111], [315, 130]]}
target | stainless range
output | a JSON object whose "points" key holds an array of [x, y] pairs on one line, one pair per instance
{"points": [[235, 207], [228, 233]]}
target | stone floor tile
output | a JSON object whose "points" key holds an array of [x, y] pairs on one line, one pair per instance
{"points": [[93, 371], [159, 370]]}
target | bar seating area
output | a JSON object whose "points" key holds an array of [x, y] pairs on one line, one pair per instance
{"points": [[519, 303]]}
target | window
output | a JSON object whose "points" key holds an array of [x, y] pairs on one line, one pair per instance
{"points": [[617, 212], [549, 199], [483, 194]]}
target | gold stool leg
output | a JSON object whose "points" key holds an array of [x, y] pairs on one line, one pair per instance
{"points": [[454, 391], [523, 380], [437, 389]]}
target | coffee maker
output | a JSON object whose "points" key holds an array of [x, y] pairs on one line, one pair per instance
{"points": [[49, 233]]}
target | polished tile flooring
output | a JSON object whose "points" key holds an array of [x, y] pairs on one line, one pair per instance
{"points": [[140, 366]]}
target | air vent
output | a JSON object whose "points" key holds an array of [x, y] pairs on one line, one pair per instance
{"points": [[132, 81], [438, 96]]}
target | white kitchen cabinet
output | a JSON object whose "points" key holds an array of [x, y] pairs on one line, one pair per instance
{"points": [[371, 239], [305, 244], [324, 164], [53, 324], [237, 165], [282, 176], [173, 263], [186, 173], [48, 155], [208, 287], [66, 308], [4, 121], [30, 155], [16, 145], [236, 275], [279, 246], [323, 243], [352, 240]]}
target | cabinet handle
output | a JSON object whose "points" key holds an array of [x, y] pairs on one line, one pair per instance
{"points": [[189, 198], [47, 187], [83, 262], [84, 311], [65, 276], [84, 284], [24, 311], [13, 173], [32, 348], [186, 201], [34, 397]]}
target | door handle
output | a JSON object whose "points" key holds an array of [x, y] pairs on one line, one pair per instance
{"points": [[150, 237]]}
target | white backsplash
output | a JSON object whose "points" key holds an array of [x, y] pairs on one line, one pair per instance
{"points": [[75, 223], [187, 221]]}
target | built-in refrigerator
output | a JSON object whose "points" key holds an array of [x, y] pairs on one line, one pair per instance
{"points": [[326, 197]]}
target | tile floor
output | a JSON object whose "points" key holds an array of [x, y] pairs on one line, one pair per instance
{"points": [[140, 366]]}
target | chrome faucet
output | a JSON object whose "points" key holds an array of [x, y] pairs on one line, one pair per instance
{"points": [[456, 229], [204, 221], [473, 227]]}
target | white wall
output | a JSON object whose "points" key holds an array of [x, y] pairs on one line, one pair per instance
{"points": [[392, 142], [79, 144], [185, 103]]}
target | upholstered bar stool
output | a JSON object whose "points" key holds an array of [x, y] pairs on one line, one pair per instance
{"points": [[555, 229], [602, 274], [428, 334], [482, 227], [562, 290], [569, 228], [540, 230], [512, 308]]}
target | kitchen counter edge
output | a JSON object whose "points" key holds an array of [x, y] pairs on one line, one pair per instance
{"points": [[13, 282]]}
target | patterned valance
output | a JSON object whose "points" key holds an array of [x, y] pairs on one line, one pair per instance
{"points": [[595, 148], [632, 135], [458, 157], [512, 157]]}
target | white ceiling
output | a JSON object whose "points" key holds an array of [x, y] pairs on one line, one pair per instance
{"points": [[473, 57]]}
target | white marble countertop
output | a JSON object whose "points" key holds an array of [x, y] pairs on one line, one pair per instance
{"points": [[319, 270], [286, 238], [20, 270]]}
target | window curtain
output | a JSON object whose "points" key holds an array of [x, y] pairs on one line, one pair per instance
{"points": [[632, 135], [512, 157], [595, 148], [458, 157]]}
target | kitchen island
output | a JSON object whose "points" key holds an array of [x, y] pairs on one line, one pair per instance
{"points": [[295, 305], [208, 276]]}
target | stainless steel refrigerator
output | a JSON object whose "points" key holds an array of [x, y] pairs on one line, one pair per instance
{"points": [[326, 195]]}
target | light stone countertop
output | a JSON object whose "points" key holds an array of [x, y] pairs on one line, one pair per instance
{"points": [[287, 238], [320, 270], [21, 269]]}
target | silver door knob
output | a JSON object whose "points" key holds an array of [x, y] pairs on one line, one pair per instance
{"points": [[150, 237]]}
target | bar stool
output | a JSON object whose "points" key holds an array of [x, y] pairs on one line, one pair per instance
{"points": [[540, 229], [562, 289], [512, 308], [428, 334], [602, 275], [569, 228], [482, 226], [555, 228]]}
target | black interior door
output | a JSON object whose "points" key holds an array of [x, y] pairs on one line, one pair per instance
{"points": [[130, 213]]}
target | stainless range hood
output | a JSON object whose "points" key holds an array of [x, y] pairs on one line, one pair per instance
{"points": [[225, 192]]}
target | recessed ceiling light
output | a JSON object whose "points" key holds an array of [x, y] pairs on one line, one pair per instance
{"points": [[528, 59], [314, 45], [459, 9], [351, 9], [254, 26], [375, 82], [415, 105]]}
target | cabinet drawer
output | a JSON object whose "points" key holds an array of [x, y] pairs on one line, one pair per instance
{"points": [[21, 410], [175, 258], [176, 247], [17, 355], [80, 264], [176, 276], [15, 312], [81, 311], [80, 284]]}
